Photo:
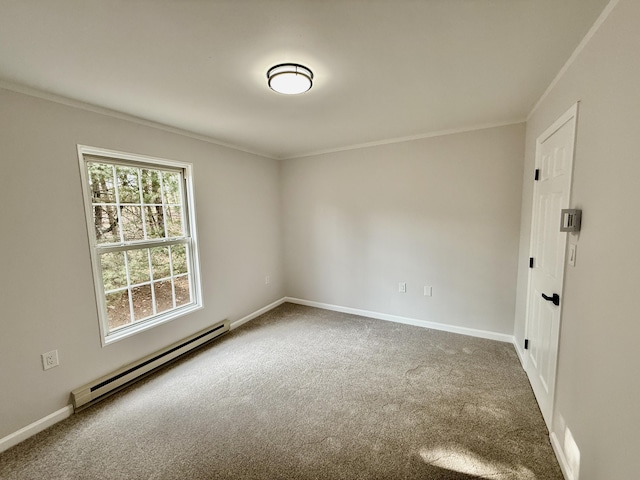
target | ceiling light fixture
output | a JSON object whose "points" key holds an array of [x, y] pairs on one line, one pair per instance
{"points": [[290, 78]]}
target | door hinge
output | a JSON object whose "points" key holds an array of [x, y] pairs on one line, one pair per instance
{"points": [[530, 262], [537, 174], [526, 344]]}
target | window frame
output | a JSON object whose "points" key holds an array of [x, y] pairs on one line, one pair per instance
{"points": [[87, 154]]}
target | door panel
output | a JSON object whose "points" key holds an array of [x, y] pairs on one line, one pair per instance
{"points": [[548, 247], [554, 159]]}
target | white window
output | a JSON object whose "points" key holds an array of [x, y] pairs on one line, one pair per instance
{"points": [[141, 224]]}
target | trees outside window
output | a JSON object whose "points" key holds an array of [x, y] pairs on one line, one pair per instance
{"points": [[142, 234]]}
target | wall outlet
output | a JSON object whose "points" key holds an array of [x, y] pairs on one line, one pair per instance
{"points": [[50, 359], [428, 291], [267, 280], [402, 287]]}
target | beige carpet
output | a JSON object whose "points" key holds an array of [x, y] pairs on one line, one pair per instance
{"points": [[303, 393]]}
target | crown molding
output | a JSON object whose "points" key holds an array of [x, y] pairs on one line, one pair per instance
{"points": [[89, 107], [583, 43], [439, 133]]}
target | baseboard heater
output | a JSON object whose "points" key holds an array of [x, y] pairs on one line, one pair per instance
{"points": [[101, 388]]}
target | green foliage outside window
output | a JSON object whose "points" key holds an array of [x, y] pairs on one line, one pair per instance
{"points": [[130, 206]]}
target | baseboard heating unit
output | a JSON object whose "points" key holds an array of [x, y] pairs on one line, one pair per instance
{"points": [[101, 388]]}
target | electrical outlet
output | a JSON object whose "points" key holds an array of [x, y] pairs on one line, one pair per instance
{"points": [[402, 287], [428, 291], [50, 359], [267, 280]]}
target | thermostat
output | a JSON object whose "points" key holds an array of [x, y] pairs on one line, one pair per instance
{"points": [[570, 220]]}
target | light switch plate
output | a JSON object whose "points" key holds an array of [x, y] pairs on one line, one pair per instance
{"points": [[572, 254]]}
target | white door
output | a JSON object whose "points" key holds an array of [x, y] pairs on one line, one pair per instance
{"points": [[554, 164]]}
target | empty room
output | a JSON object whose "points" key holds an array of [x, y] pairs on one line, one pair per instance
{"points": [[296, 239]]}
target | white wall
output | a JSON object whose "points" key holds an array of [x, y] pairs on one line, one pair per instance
{"points": [[46, 291], [598, 386], [441, 211]]}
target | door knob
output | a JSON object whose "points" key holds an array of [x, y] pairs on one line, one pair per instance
{"points": [[555, 298]]}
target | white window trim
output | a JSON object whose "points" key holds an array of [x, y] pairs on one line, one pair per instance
{"points": [[107, 338]]}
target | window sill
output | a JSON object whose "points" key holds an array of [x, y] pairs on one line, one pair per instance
{"points": [[136, 328]]}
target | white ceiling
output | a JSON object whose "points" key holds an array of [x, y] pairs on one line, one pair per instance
{"points": [[383, 69]]}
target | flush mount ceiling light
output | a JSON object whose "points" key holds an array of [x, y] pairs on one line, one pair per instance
{"points": [[290, 78]]}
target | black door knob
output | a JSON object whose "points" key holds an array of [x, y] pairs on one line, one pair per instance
{"points": [[555, 298]]}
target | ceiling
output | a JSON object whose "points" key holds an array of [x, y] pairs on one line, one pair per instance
{"points": [[383, 69]]}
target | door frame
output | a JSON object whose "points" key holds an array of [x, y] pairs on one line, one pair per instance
{"points": [[571, 113]]}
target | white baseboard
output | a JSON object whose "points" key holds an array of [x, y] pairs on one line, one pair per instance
{"points": [[36, 427], [257, 313], [562, 460], [39, 425], [501, 337], [59, 415]]}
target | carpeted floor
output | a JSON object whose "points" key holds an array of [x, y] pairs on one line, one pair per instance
{"points": [[303, 393]]}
